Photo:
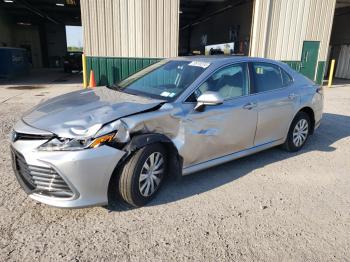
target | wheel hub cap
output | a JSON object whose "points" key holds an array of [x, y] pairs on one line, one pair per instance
{"points": [[151, 174], [300, 132]]}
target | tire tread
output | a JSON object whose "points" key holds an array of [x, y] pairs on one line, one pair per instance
{"points": [[126, 176]]}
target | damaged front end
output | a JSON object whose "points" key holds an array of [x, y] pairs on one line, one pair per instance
{"points": [[160, 125]]}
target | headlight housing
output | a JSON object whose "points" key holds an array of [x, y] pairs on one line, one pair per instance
{"points": [[65, 144], [115, 132], [119, 128]]}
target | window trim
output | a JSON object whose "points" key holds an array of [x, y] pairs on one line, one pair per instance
{"points": [[290, 77], [246, 63]]}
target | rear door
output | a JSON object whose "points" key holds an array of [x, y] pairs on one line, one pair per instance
{"points": [[276, 102]]}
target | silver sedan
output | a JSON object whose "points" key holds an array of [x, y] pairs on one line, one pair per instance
{"points": [[174, 118]]}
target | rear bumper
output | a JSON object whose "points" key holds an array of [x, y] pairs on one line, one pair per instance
{"points": [[317, 106], [86, 172]]}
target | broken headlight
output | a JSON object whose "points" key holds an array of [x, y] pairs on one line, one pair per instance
{"points": [[119, 128], [113, 132]]}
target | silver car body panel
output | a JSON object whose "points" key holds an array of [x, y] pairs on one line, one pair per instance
{"points": [[219, 134], [218, 161], [84, 109], [23, 128], [87, 172], [275, 109]]}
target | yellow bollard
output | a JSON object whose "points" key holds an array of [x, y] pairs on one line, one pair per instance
{"points": [[331, 72], [85, 84]]}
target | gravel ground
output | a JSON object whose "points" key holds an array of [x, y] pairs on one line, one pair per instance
{"points": [[272, 206]]}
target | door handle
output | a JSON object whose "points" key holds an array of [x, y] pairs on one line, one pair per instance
{"points": [[250, 105], [292, 96]]}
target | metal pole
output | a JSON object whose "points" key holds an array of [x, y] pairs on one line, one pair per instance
{"points": [[331, 72], [84, 71]]}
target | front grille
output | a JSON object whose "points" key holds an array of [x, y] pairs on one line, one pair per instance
{"points": [[38, 179]]}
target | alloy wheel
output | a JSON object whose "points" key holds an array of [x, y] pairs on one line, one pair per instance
{"points": [[152, 173], [300, 132]]}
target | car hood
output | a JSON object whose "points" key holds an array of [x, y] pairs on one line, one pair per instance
{"points": [[86, 109]]}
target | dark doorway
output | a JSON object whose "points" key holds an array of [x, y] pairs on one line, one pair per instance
{"points": [[215, 27]]}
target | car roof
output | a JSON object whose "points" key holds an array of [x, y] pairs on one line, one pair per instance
{"points": [[222, 59]]}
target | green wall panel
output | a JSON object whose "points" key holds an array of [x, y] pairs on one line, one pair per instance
{"points": [[321, 67], [109, 70], [296, 65]]}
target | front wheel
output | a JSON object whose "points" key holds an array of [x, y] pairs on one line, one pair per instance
{"points": [[299, 132], [143, 174]]}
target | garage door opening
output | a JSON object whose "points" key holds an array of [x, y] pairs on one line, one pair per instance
{"points": [[38, 28], [215, 27], [340, 43]]}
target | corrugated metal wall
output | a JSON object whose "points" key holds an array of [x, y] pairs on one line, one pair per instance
{"points": [[130, 28], [281, 26], [111, 70], [150, 28]]}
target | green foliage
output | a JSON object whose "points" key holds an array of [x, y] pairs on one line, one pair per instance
{"points": [[74, 49]]}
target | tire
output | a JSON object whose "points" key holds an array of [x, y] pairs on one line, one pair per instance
{"points": [[302, 122], [136, 190]]}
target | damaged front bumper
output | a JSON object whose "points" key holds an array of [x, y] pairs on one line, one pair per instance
{"points": [[68, 179]]}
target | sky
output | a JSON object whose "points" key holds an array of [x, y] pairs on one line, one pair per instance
{"points": [[74, 36]]}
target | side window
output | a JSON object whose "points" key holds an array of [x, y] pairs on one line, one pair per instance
{"points": [[287, 79], [267, 77], [229, 82]]}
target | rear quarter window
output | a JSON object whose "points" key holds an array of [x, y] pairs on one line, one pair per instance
{"points": [[267, 77], [286, 78]]}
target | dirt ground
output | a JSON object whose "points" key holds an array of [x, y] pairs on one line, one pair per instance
{"points": [[272, 206]]}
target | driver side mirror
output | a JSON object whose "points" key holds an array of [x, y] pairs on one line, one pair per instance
{"points": [[208, 98]]}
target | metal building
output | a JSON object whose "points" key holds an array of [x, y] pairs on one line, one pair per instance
{"points": [[122, 36]]}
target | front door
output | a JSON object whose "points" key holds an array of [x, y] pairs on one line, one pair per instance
{"points": [[220, 130], [309, 59]]}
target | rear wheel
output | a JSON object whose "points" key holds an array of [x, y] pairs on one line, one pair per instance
{"points": [[143, 174], [299, 132]]}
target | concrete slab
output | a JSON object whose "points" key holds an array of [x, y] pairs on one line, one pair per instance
{"points": [[272, 206], [43, 77]]}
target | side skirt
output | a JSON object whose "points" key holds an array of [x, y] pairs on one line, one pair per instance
{"points": [[230, 157]]}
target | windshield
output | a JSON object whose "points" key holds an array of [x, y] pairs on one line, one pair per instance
{"points": [[165, 80]]}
